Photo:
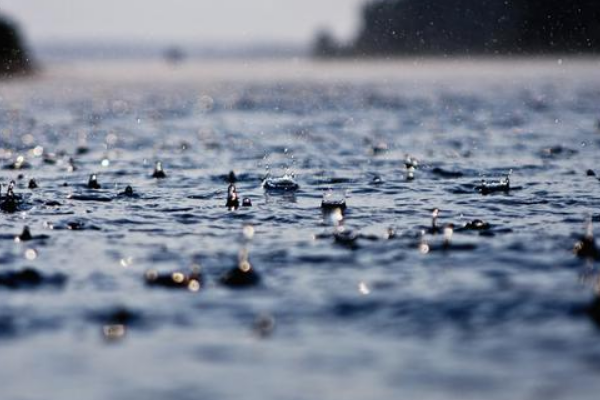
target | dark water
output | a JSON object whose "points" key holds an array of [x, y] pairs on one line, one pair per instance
{"points": [[505, 313]]}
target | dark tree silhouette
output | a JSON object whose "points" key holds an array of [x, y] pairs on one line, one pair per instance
{"points": [[392, 27], [567, 26], [13, 55]]}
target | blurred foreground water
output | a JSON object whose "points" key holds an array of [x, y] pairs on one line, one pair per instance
{"points": [[368, 303]]}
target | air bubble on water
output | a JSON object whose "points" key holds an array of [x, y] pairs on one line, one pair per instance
{"points": [[105, 163]]}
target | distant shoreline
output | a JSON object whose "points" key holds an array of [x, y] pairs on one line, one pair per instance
{"points": [[72, 52], [211, 73], [234, 58]]}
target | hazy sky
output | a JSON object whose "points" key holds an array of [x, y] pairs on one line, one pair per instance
{"points": [[182, 20]]}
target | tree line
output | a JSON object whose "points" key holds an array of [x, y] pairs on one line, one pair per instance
{"points": [[14, 59], [465, 27]]}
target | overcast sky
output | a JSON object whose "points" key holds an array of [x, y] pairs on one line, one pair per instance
{"points": [[202, 21]]}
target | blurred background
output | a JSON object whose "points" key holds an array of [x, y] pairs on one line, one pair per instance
{"points": [[145, 28], [177, 29]]}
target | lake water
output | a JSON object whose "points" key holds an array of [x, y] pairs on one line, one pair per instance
{"points": [[368, 307]]}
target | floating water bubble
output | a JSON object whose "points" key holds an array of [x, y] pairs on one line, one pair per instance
{"points": [[285, 183], [379, 148], [503, 185], [128, 192], [246, 202]]}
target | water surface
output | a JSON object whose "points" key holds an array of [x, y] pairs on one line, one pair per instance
{"points": [[508, 317]]}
